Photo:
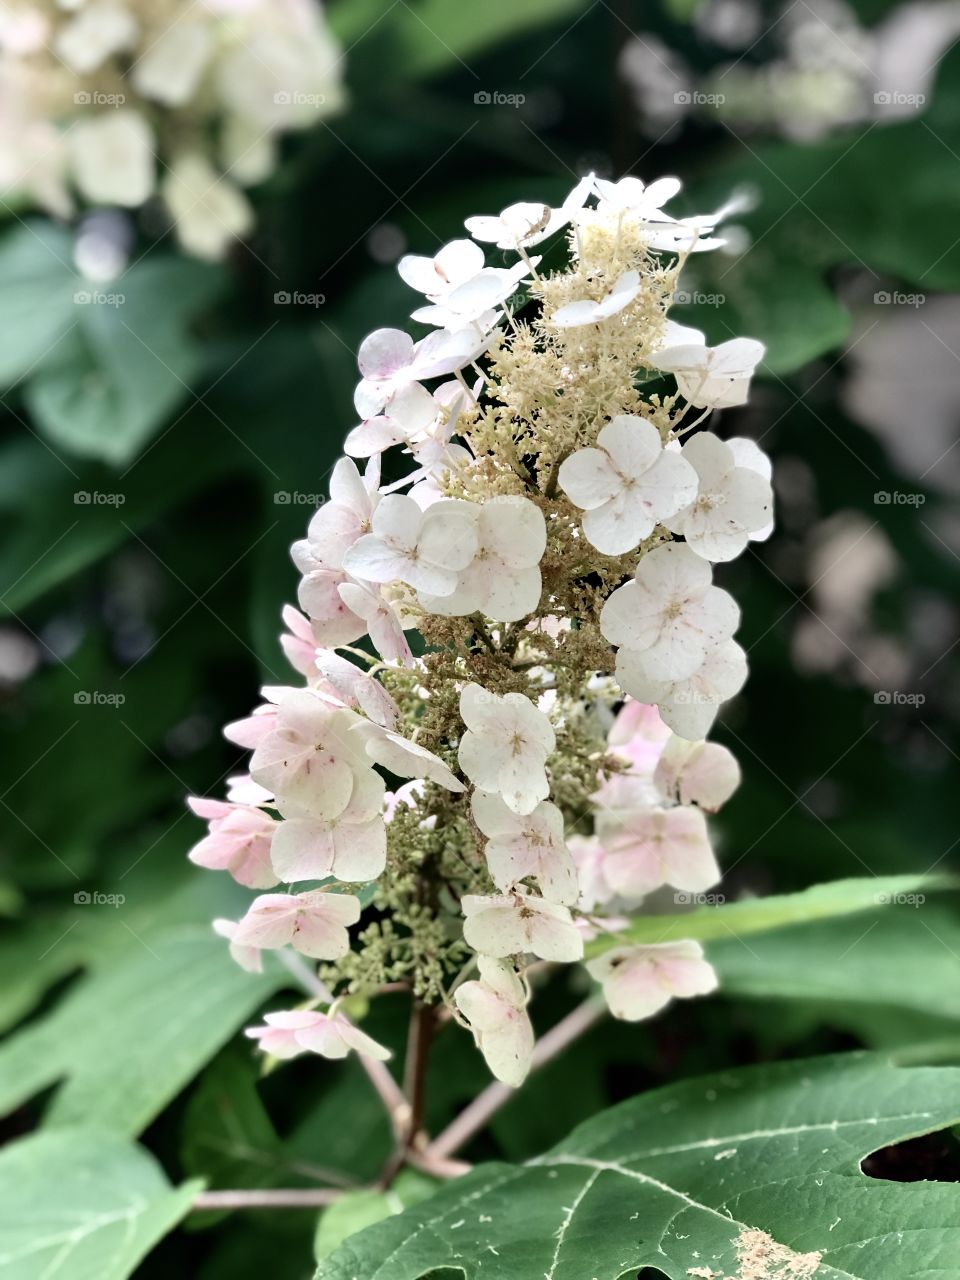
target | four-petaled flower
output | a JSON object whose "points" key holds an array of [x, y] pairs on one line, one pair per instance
{"points": [[502, 580], [425, 549], [517, 922], [351, 846], [670, 614], [239, 841], [531, 845], [313, 923], [638, 981], [690, 705], [505, 747], [712, 377], [294, 1031], [495, 1005], [734, 499], [649, 847], [626, 485], [309, 757]]}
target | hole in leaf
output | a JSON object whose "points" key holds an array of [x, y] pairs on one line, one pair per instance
{"points": [[933, 1158]]}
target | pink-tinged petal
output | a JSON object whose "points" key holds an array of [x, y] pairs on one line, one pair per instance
{"points": [[701, 773], [639, 735], [320, 934], [374, 436], [638, 981], [653, 847], [323, 1036], [320, 599], [361, 850], [249, 958], [239, 843], [205, 808], [360, 1042], [269, 922], [303, 849], [275, 1041], [250, 731], [385, 353]]}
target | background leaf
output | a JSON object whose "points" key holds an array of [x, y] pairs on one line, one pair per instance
{"points": [[758, 915], [83, 1204]]}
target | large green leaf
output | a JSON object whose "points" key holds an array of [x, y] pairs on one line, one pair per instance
{"points": [[128, 360], [37, 284], [128, 1037], [760, 915], [695, 1179], [363, 1207], [82, 1205], [87, 509]]}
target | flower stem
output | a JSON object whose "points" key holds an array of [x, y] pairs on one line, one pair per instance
{"points": [[422, 1027], [261, 1198]]}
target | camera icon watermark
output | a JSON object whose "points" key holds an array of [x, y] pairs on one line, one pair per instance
{"points": [[894, 98], [694, 98], [96, 98], [898, 498], [496, 98], [294, 98], [86, 898], [898, 698], [894, 298], [94, 698], [297, 298], [697, 298], [95, 498], [295, 498], [97, 298], [695, 698]]}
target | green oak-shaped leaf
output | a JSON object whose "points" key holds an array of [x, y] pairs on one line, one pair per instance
{"points": [[696, 1179], [129, 1035], [82, 1205]]}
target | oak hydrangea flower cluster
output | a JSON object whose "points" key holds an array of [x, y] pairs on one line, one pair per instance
{"points": [[514, 759], [115, 101]]}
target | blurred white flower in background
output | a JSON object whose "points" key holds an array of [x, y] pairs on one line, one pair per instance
{"points": [[111, 102], [819, 67]]}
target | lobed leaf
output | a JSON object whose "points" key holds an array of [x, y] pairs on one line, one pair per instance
{"points": [[751, 1173]]}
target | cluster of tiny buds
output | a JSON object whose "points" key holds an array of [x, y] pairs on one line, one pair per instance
{"points": [[509, 617]]}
